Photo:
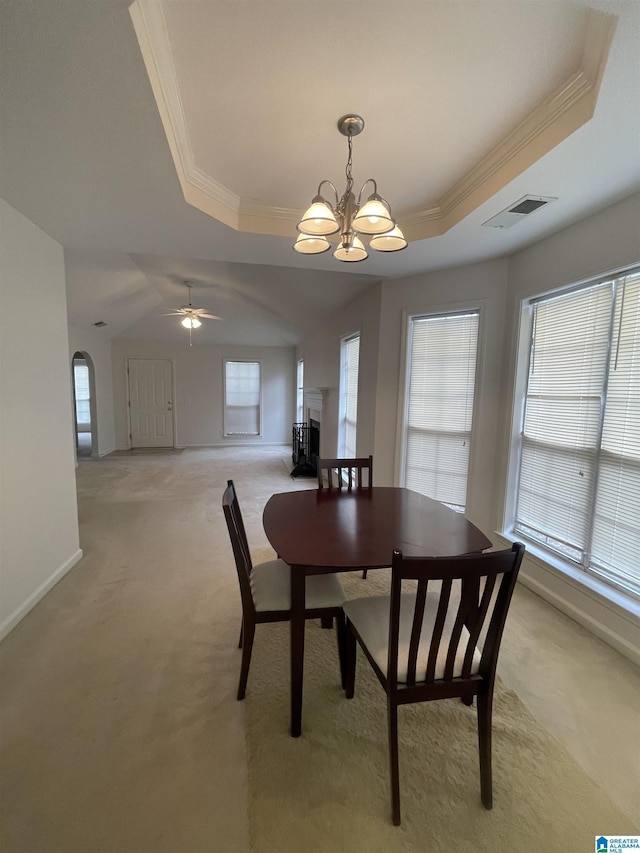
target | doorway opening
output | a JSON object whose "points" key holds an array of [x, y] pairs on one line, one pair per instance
{"points": [[84, 405]]}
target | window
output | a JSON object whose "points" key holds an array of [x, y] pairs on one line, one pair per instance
{"points": [[300, 393], [439, 395], [349, 358], [81, 380], [578, 490], [241, 397]]}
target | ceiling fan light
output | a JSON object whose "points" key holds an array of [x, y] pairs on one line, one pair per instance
{"points": [[308, 244], [191, 322], [374, 217], [391, 241], [351, 253], [318, 219]]}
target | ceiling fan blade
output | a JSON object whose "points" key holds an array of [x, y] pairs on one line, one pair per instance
{"points": [[210, 316], [173, 314]]}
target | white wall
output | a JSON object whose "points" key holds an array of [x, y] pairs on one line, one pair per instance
{"points": [[607, 241], [96, 344], [38, 510], [482, 286], [321, 354], [198, 383]]}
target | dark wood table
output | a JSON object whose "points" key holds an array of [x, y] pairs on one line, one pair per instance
{"points": [[318, 532]]}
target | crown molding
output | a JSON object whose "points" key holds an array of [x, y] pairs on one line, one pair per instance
{"points": [[559, 115]]}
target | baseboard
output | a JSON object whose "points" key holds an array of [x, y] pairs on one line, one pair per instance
{"points": [[604, 613], [233, 443], [606, 632], [20, 612]]}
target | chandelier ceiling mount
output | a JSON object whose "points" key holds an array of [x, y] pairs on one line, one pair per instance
{"points": [[373, 219]]}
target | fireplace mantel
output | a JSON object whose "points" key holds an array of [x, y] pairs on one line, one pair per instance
{"points": [[314, 399]]}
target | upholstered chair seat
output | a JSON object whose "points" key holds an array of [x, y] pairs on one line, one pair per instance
{"points": [[271, 588], [370, 617]]}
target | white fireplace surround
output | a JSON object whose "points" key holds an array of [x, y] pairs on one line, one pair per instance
{"points": [[314, 403]]}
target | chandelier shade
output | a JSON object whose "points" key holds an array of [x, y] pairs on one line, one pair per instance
{"points": [[310, 244], [354, 251], [373, 219], [391, 241], [318, 219]]}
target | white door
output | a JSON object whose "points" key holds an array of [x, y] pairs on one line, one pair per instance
{"points": [[150, 402]]}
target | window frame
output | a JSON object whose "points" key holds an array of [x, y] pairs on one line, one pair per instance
{"points": [[408, 317], [342, 414], [578, 571], [300, 390], [225, 417]]}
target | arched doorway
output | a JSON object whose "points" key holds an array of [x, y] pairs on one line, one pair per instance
{"points": [[84, 405]]}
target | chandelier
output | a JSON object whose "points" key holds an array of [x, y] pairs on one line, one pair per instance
{"points": [[372, 220]]}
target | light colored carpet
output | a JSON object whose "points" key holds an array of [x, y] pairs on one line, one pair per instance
{"points": [[120, 731], [329, 789]]}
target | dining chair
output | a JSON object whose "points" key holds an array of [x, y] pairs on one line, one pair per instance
{"points": [[265, 590], [347, 473], [438, 641]]}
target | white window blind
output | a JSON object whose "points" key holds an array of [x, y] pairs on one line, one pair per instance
{"points": [[300, 393], [81, 381], [242, 398], [441, 383], [579, 478], [350, 358]]}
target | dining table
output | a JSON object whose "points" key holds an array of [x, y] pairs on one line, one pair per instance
{"points": [[320, 531]]}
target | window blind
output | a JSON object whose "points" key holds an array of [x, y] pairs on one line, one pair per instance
{"points": [[300, 391], [81, 379], [441, 382], [349, 395], [242, 398], [579, 479]]}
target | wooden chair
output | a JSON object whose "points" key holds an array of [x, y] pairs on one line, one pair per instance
{"points": [[266, 592], [436, 643], [346, 473]]}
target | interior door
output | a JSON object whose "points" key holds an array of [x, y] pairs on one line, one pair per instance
{"points": [[150, 402]]}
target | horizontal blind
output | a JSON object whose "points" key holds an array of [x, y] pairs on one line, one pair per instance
{"points": [[81, 381], [616, 524], [350, 363], [579, 479], [242, 398], [562, 417], [442, 369]]}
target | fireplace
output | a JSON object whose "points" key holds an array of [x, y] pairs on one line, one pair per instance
{"points": [[306, 435], [305, 448]]}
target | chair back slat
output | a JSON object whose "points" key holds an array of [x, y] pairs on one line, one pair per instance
{"points": [[416, 630], [476, 622], [456, 633], [436, 636], [475, 612], [357, 472], [239, 543]]}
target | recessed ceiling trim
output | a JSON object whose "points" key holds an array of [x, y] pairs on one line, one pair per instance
{"points": [[566, 109]]}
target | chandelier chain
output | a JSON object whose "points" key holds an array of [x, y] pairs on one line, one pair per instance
{"points": [[349, 164]]}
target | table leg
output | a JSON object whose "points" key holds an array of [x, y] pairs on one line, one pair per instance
{"points": [[297, 647]]}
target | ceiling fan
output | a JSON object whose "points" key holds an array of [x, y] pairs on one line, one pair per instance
{"points": [[191, 317]]}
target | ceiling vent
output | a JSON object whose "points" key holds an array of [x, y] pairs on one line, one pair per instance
{"points": [[517, 212], [100, 324]]}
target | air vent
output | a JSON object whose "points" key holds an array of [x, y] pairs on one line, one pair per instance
{"points": [[100, 324], [515, 213]]}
